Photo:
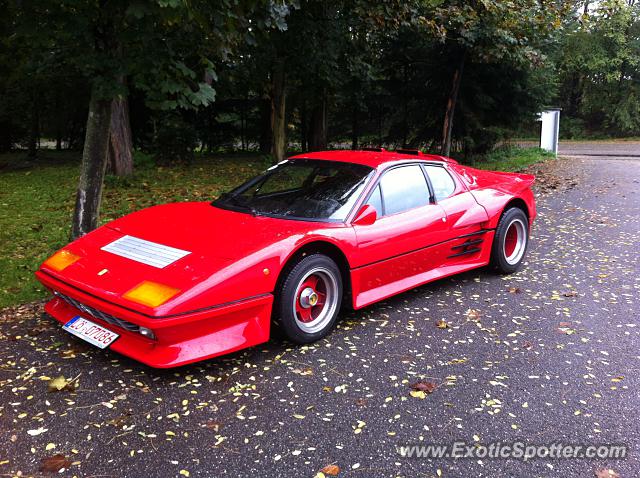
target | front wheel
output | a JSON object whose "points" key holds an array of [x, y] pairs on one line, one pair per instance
{"points": [[310, 298], [511, 241]]}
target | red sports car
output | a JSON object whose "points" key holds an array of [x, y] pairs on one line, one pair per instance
{"points": [[182, 282]]}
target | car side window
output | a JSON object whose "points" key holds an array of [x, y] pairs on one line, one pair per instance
{"points": [[441, 181], [375, 200], [404, 188]]}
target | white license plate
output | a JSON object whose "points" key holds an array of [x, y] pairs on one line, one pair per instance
{"points": [[93, 333]]}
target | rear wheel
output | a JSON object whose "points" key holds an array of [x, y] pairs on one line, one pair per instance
{"points": [[511, 241], [310, 298]]}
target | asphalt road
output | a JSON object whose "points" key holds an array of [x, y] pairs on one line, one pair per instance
{"points": [[596, 149], [547, 355], [604, 149]]}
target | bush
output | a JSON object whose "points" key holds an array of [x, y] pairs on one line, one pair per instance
{"points": [[175, 140], [142, 160], [572, 128]]}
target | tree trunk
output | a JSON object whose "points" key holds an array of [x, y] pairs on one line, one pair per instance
{"points": [[318, 133], [58, 123], [211, 124], [278, 110], [354, 127], [34, 130], [380, 124], [120, 143], [265, 125], [94, 163], [304, 127], [243, 124], [447, 127], [405, 107]]}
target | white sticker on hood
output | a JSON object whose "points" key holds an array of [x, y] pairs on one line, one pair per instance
{"points": [[147, 252]]}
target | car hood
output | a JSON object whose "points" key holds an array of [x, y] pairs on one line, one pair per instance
{"points": [[205, 229], [212, 255]]}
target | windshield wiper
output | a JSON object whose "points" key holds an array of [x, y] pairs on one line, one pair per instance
{"points": [[234, 200]]}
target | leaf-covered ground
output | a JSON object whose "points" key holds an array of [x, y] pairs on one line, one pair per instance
{"points": [[546, 355]]}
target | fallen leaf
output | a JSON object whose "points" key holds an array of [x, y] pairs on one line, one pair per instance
{"points": [[55, 463], [37, 431], [61, 383], [570, 293], [565, 328], [57, 384], [213, 425], [441, 324], [473, 314], [426, 387], [331, 470], [514, 290], [606, 473]]}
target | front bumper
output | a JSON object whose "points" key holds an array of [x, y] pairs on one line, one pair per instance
{"points": [[180, 339]]}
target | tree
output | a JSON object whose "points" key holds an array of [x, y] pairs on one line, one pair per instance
{"points": [[165, 48], [120, 141], [489, 32], [599, 69]]}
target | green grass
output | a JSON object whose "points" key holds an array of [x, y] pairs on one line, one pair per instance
{"points": [[509, 159], [37, 198]]}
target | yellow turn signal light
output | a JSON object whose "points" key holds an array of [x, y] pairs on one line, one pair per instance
{"points": [[61, 260], [151, 294]]}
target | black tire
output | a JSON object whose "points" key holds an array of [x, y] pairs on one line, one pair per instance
{"points": [[507, 253], [291, 297]]}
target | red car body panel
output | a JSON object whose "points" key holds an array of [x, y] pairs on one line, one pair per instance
{"points": [[181, 339], [228, 280]]}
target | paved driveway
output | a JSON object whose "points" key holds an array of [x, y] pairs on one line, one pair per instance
{"points": [[602, 149], [546, 355], [595, 149]]}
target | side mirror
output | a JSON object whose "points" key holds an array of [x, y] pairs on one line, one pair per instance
{"points": [[366, 216]]}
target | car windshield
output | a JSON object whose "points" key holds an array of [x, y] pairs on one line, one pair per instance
{"points": [[309, 189]]}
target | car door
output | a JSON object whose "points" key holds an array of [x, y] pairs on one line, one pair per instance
{"points": [[465, 217], [395, 249]]}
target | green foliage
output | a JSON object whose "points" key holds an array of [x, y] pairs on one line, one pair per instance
{"points": [[142, 160], [166, 48], [599, 68], [508, 158], [382, 70]]}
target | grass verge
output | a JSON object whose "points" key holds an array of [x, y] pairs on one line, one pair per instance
{"points": [[509, 159]]}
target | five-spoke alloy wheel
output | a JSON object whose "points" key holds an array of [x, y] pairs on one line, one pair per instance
{"points": [[511, 240], [310, 297]]}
